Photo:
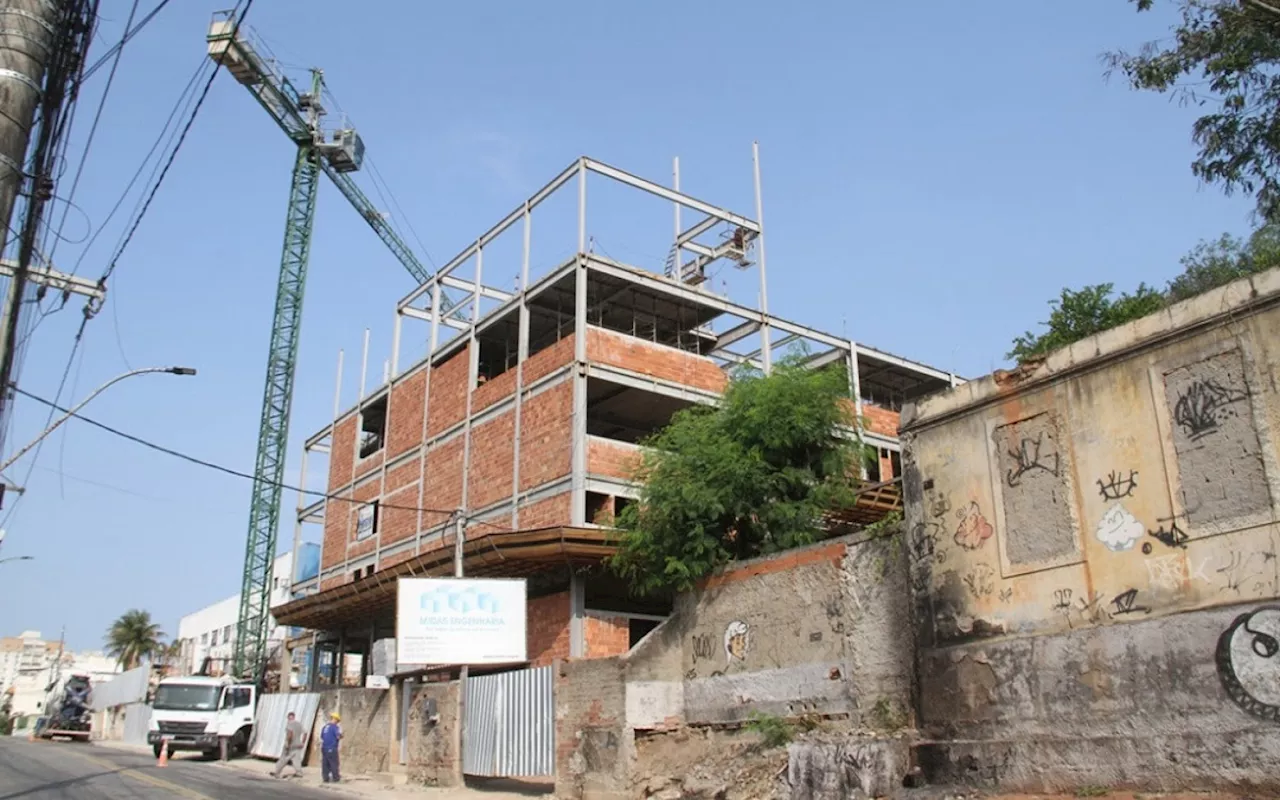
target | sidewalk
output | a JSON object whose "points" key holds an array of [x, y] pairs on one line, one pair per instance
{"points": [[371, 785], [354, 786]]}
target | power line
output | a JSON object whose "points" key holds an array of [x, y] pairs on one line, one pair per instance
{"points": [[220, 468], [129, 34], [93, 127], [195, 112]]}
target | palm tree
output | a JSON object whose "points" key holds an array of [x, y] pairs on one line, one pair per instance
{"points": [[133, 638]]}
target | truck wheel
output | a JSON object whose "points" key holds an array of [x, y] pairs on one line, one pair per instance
{"points": [[156, 748]]}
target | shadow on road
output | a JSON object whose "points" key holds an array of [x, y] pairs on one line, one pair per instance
{"points": [[61, 784]]}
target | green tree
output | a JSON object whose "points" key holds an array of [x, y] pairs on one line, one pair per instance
{"points": [[1224, 57], [1083, 312], [134, 638], [1212, 264], [753, 475]]}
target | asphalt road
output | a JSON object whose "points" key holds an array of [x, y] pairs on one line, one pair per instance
{"points": [[75, 771]]}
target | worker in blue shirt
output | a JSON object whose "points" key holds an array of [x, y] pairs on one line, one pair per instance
{"points": [[330, 737]]}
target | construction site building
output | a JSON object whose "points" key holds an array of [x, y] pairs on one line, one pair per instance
{"points": [[509, 446]]}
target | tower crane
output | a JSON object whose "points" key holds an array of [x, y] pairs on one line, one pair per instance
{"points": [[337, 154]]}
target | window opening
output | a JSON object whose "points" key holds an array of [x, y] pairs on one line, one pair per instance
{"points": [[373, 427]]}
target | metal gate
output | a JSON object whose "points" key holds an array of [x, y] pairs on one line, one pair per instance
{"points": [[508, 724]]}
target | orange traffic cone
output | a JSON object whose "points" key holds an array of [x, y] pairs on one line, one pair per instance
{"points": [[164, 754]]}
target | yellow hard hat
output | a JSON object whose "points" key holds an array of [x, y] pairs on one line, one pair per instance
{"points": [[336, 716]]}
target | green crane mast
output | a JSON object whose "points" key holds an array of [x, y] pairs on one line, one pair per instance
{"points": [[337, 155]]}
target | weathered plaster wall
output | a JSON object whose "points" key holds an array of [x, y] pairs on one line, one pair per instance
{"points": [[815, 630], [1061, 517], [434, 755], [366, 729]]}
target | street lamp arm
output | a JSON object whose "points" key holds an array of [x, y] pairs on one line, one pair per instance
{"points": [[17, 558], [72, 412]]}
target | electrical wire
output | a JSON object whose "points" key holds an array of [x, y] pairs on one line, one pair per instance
{"points": [[396, 203], [93, 127], [195, 112], [183, 100], [129, 34], [219, 467]]}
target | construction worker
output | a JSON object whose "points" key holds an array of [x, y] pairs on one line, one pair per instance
{"points": [[295, 744], [330, 738]]}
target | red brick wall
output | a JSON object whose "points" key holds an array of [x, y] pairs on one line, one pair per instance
{"points": [[402, 475], [342, 452], [365, 465], [611, 458], [443, 487], [398, 517], [658, 361], [549, 360], [607, 635], [398, 558], [404, 423], [548, 513], [486, 394], [492, 457], [880, 420], [337, 524], [548, 628], [546, 441], [449, 392]]}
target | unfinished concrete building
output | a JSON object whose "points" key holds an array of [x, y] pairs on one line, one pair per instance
{"points": [[509, 444]]}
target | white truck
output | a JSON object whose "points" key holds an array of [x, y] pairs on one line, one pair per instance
{"points": [[195, 712]]}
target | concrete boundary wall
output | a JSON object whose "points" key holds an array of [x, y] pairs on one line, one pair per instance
{"points": [[1093, 542]]}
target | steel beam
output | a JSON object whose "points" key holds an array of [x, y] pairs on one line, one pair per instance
{"points": [[669, 194]]}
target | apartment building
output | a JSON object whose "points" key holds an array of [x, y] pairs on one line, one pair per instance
{"points": [[508, 446], [29, 663], [210, 631]]}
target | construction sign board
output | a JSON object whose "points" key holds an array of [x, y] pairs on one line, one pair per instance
{"points": [[461, 621]]}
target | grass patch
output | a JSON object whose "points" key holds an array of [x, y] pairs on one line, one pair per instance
{"points": [[773, 730], [1092, 791]]}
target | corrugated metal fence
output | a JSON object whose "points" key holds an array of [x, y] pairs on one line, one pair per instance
{"points": [[268, 727], [508, 727], [137, 718], [123, 689]]}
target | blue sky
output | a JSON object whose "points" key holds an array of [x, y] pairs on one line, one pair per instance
{"points": [[933, 175]]}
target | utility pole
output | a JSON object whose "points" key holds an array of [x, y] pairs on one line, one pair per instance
{"points": [[42, 43], [27, 35]]}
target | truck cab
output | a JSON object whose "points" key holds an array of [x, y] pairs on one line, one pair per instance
{"points": [[195, 712]]}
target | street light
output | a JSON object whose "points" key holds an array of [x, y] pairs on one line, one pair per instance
{"points": [[84, 402], [17, 558]]}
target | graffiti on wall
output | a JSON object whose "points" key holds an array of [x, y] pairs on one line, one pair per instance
{"points": [[1127, 603], [1164, 572], [1032, 455], [737, 642], [1119, 530], [973, 530], [1204, 405], [981, 581], [1116, 486], [703, 646], [1169, 536], [1248, 662]]}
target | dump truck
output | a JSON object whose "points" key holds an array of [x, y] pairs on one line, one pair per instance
{"points": [[66, 709]]}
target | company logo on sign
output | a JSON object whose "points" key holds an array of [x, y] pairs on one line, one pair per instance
{"points": [[466, 601]]}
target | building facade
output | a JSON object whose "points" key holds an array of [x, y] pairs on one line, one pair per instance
{"points": [[508, 447], [29, 664], [210, 632]]}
